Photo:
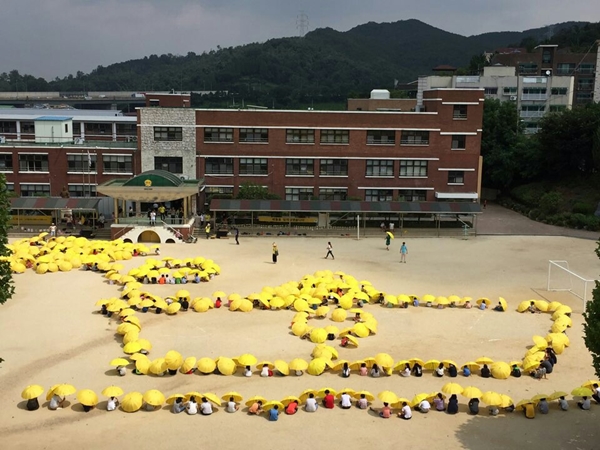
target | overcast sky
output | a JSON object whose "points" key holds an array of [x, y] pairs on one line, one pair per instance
{"points": [[56, 37]]}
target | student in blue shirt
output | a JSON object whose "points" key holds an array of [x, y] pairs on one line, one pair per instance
{"points": [[274, 413], [466, 371]]}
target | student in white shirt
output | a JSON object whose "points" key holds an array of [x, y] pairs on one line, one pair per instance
{"points": [[439, 372], [56, 402], [232, 406], [362, 402], [405, 413], [563, 404], [247, 371], [311, 403], [345, 401], [584, 404], [265, 371], [112, 404], [406, 371], [206, 407], [192, 406], [423, 407], [122, 370]]}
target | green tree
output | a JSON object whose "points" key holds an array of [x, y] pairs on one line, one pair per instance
{"points": [[253, 191], [7, 288], [591, 326]]}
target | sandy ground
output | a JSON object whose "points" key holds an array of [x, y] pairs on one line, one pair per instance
{"points": [[51, 333]]}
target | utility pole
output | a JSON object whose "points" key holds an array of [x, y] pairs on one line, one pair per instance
{"points": [[302, 23]]}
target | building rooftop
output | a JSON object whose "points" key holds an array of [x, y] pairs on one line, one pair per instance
{"points": [[53, 118], [78, 115]]}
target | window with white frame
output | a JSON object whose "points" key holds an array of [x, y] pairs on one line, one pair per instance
{"points": [[82, 190], [219, 166], [381, 137], [333, 194], [34, 190], [459, 112], [219, 190], [117, 163], [413, 168], [296, 136], [254, 135], [412, 195], [81, 163], [380, 168], [10, 187], [300, 166], [333, 167], [334, 137], [6, 162], [218, 135], [254, 166], [378, 195], [292, 193], [168, 133], [410, 137], [33, 162], [456, 177]]}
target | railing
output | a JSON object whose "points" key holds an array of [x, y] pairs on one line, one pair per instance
{"points": [[416, 142], [534, 96], [458, 116], [250, 140], [532, 113], [381, 142], [70, 143]]}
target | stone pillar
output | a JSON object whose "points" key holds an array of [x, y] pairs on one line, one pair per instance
{"points": [[185, 208], [18, 130], [114, 131], [83, 133]]}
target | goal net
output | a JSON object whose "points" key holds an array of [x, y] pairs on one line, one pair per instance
{"points": [[561, 278]]}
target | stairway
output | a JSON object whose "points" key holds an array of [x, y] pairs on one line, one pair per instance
{"points": [[165, 235]]}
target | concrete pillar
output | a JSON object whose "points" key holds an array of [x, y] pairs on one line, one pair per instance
{"points": [[597, 76], [116, 209], [18, 130], [83, 133], [114, 131], [185, 207]]}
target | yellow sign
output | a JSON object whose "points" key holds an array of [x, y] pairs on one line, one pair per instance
{"points": [[30, 220], [287, 219], [148, 183]]}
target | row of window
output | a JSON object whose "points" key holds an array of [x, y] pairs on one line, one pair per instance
{"points": [[327, 167], [92, 128], [43, 189], [38, 162], [304, 136], [336, 194]]}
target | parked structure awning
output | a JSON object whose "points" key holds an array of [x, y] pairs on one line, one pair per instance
{"points": [[54, 203]]}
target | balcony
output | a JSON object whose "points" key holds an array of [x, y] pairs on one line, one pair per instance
{"points": [[75, 143], [535, 97], [526, 114]]}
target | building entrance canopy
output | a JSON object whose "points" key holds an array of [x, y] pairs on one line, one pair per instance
{"points": [[154, 186]]}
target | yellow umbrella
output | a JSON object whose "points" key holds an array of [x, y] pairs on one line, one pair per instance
{"points": [[32, 391], [289, 399], [522, 403], [197, 395], [213, 398], [564, 321], [556, 395], [582, 392], [485, 300], [188, 364], [590, 383], [226, 366], [553, 306], [540, 342], [339, 315], [154, 397], [132, 402], [360, 330], [503, 303], [500, 370], [173, 359], [384, 360], [173, 308], [112, 391], [370, 397], [236, 397], [298, 364], [542, 305], [271, 404], [390, 234], [87, 397], [418, 399], [524, 306], [484, 360], [441, 301], [321, 392], [387, 397], [491, 398], [246, 360], [530, 364], [352, 340], [318, 335], [316, 366], [452, 388], [171, 399], [339, 365], [269, 364], [63, 390], [206, 365], [220, 294], [306, 393], [447, 363], [471, 392], [536, 398], [432, 364], [506, 401], [182, 293], [145, 344], [257, 398], [282, 367], [132, 347], [348, 391], [142, 365], [158, 366]]}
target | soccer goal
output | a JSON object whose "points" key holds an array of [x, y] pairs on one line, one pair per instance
{"points": [[561, 278]]}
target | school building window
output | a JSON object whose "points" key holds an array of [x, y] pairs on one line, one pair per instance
{"points": [[378, 195], [414, 137], [171, 164], [412, 195], [34, 190], [298, 166], [334, 137], [254, 135], [118, 163], [380, 168], [254, 166], [168, 134], [456, 177], [219, 166], [6, 163], [81, 163], [459, 112], [218, 135], [413, 168], [334, 167], [33, 163], [381, 137], [298, 193], [300, 136], [459, 142], [82, 190], [334, 194]]}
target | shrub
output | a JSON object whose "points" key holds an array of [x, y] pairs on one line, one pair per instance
{"points": [[550, 203], [583, 208], [528, 194]]}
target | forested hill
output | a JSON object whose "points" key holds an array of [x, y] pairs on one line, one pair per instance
{"points": [[324, 66]]}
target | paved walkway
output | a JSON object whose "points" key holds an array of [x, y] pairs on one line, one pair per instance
{"points": [[497, 220]]}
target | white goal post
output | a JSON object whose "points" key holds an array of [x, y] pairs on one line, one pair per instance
{"points": [[561, 278]]}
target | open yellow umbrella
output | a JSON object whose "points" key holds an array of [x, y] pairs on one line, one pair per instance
{"points": [[491, 398], [171, 399], [484, 360], [173, 308], [432, 364], [447, 362], [306, 393], [418, 399], [370, 397], [339, 315], [32, 391], [348, 391], [522, 403], [219, 294], [452, 388], [112, 391], [506, 401], [360, 330], [471, 392], [556, 395], [206, 365], [524, 306], [384, 360], [173, 359], [197, 395], [536, 398], [213, 398], [87, 397], [282, 366], [154, 397], [158, 366], [540, 342], [257, 398], [485, 300], [63, 390], [590, 384], [271, 404], [226, 366], [390, 234], [298, 364], [132, 402], [289, 399], [142, 365], [387, 397], [188, 364], [352, 340], [316, 366], [441, 301], [542, 305], [236, 397], [318, 335], [132, 347], [500, 370], [582, 392], [503, 303], [246, 360]]}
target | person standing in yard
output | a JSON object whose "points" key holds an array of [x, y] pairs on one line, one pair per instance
{"points": [[388, 240], [207, 230], [152, 218], [275, 253], [329, 251], [52, 230], [237, 236], [403, 252]]}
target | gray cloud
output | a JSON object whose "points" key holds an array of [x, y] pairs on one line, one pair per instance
{"points": [[58, 37]]}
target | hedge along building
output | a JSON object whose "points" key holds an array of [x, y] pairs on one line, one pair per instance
{"points": [[153, 188]]}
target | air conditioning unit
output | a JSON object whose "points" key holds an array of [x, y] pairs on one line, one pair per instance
{"points": [[513, 97], [2, 139], [79, 141]]}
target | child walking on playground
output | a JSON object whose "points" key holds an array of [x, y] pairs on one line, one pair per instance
{"points": [[329, 250], [403, 252]]}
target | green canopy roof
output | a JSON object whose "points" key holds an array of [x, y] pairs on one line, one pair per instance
{"points": [[158, 178]]}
